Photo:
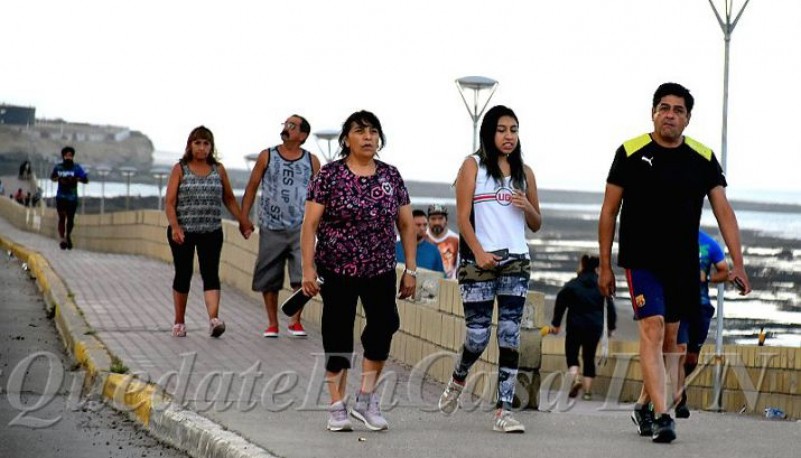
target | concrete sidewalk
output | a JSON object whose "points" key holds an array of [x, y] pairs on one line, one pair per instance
{"points": [[270, 392]]}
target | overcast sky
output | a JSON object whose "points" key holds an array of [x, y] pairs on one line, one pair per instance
{"points": [[580, 75]]}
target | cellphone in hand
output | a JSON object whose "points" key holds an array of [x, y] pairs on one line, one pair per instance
{"points": [[503, 254]]}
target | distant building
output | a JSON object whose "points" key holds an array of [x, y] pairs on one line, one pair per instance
{"points": [[60, 130], [121, 135], [17, 116]]}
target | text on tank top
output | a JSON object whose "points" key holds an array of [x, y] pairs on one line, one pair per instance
{"points": [[283, 190], [498, 224]]}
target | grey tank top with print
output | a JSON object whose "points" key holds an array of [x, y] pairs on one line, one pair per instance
{"points": [[283, 191], [200, 201]]}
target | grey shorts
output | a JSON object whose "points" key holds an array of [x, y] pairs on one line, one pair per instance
{"points": [[275, 247]]}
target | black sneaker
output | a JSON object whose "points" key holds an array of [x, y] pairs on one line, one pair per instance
{"points": [[69, 243], [682, 411], [63, 245], [644, 419], [664, 429]]}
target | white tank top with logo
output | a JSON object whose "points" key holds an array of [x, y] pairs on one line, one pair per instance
{"points": [[498, 224]]}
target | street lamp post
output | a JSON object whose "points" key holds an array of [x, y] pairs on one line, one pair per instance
{"points": [[50, 186], [127, 172], [250, 160], [328, 136], [476, 84], [102, 171], [160, 173], [41, 183], [727, 27], [86, 169]]}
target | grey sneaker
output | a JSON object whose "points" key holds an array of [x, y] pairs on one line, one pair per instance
{"points": [[338, 417], [216, 327], [505, 423], [449, 400], [368, 411]]}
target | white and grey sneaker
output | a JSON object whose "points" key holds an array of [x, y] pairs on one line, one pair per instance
{"points": [[449, 400], [505, 423], [338, 418], [368, 411]]}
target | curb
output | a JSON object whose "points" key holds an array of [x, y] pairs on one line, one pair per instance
{"points": [[146, 403]]}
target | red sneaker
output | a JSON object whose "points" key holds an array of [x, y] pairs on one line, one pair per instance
{"points": [[271, 331], [297, 330]]}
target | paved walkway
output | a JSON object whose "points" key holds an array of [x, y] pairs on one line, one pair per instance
{"points": [[269, 390]]}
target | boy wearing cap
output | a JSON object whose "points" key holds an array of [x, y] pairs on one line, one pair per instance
{"points": [[446, 240]]}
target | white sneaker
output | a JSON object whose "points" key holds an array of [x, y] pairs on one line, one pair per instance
{"points": [[338, 418], [506, 424], [368, 411], [449, 400]]}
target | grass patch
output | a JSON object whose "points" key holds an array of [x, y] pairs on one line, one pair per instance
{"points": [[117, 367]]}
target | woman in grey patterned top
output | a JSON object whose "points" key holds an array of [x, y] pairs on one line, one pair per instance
{"points": [[197, 189]]}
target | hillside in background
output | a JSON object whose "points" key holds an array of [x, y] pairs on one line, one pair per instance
{"points": [[112, 145]]}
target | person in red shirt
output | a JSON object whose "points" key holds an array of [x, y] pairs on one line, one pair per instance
{"points": [[446, 240]]}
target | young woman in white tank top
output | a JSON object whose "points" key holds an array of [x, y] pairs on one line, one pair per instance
{"points": [[496, 199]]}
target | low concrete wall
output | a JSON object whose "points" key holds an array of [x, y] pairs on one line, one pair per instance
{"points": [[754, 378], [431, 325], [432, 328]]}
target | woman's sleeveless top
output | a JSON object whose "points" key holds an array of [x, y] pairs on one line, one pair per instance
{"points": [[199, 206], [498, 224]]}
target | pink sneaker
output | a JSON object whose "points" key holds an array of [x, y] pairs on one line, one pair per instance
{"points": [[216, 327], [297, 330], [179, 330], [271, 331]]}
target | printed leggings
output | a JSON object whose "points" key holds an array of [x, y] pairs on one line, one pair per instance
{"points": [[479, 299]]}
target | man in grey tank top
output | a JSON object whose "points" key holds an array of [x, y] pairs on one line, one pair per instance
{"points": [[282, 173]]}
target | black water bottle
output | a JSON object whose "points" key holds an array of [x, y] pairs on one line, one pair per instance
{"points": [[297, 300]]}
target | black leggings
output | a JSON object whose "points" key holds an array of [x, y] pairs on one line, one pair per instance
{"points": [[66, 216], [586, 339], [209, 246], [340, 295]]}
